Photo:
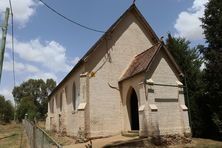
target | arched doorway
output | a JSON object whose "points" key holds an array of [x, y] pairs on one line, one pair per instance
{"points": [[133, 110]]}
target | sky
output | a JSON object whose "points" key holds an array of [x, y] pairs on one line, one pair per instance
{"points": [[47, 46]]}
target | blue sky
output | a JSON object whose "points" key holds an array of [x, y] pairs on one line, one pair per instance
{"points": [[47, 46]]}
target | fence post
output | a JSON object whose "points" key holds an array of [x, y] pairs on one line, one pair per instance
{"points": [[42, 141], [33, 135], [38, 137]]}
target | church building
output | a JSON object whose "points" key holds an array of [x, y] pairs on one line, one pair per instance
{"points": [[127, 81]]}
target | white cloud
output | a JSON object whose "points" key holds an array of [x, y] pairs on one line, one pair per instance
{"points": [[31, 68], [38, 60], [19, 67], [49, 54], [7, 93], [43, 75], [22, 9], [75, 61], [188, 24], [6, 56]]}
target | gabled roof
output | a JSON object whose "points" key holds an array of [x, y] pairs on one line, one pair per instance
{"points": [[142, 61], [132, 8], [153, 38]]}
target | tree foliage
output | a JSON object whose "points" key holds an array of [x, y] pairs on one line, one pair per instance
{"points": [[190, 62], [212, 25], [32, 97], [26, 106], [6, 110]]}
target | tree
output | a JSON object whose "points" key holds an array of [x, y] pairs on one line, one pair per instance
{"points": [[212, 25], [35, 94], [6, 110], [190, 63], [50, 85], [26, 106], [2, 103]]}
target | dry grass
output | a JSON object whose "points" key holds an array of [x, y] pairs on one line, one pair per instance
{"points": [[120, 141], [60, 138], [204, 143], [41, 124], [70, 142], [13, 136]]}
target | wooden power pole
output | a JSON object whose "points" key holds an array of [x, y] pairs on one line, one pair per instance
{"points": [[3, 42]]}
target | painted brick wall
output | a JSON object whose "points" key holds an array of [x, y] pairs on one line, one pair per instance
{"points": [[70, 117], [124, 43], [170, 118], [126, 86], [106, 112]]}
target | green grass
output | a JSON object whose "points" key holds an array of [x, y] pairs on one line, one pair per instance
{"points": [[12, 136]]}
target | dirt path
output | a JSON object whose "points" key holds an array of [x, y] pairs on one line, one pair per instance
{"points": [[196, 143], [13, 136], [98, 143]]}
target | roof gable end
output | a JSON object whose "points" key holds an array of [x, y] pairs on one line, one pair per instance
{"points": [[143, 61], [153, 38]]}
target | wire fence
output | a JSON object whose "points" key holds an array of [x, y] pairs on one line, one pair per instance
{"points": [[37, 137]]}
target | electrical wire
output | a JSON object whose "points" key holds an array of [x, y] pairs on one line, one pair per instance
{"points": [[13, 49], [70, 20], [13, 52]]}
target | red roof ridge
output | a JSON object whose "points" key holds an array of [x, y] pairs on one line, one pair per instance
{"points": [[141, 61], [157, 44]]}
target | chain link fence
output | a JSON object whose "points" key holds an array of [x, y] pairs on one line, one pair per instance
{"points": [[37, 137]]}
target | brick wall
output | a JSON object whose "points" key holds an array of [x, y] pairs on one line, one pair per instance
{"points": [[170, 118], [127, 40], [106, 110]]}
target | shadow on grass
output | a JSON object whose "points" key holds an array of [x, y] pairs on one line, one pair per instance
{"points": [[8, 136], [139, 142]]}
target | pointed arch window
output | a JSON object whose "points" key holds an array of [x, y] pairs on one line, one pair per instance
{"points": [[52, 105], [60, 102], [75, 97]]}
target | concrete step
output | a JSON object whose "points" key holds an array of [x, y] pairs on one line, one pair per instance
{"points": [[133, 133]]}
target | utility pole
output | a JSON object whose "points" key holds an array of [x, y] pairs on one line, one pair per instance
{"points": [[3, 42]]}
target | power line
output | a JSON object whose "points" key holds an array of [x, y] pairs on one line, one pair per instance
{"points": [[13, 53], [68, 19], [13, 49], [3, 39]]}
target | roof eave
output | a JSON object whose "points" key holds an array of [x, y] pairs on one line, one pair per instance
{"points": [[121, 80], [169, 55]]}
